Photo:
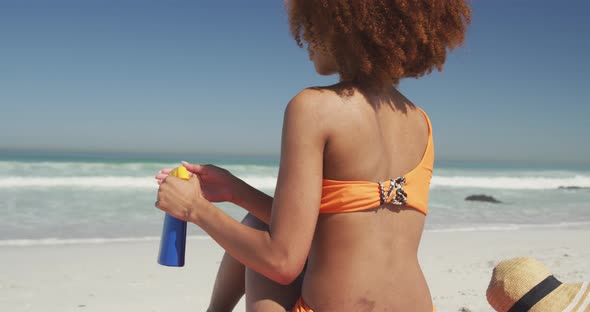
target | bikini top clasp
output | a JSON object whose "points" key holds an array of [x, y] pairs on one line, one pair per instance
{"points": [[397, 184]]}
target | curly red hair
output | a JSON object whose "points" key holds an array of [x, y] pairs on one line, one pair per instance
{"points": [[379, 41]]}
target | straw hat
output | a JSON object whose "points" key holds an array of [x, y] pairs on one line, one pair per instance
{"points": [[525, 284]]}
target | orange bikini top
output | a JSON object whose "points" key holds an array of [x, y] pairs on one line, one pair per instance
{"points": [[410, 189]]}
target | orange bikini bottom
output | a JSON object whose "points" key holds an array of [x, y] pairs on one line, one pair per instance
{"points": [[300, 306]]}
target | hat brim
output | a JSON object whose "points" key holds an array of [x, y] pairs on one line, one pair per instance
{"points": [[562, 297]]}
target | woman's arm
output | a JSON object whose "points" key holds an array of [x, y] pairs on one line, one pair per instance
{"points": [[220, 185], [254, 201], [279, 253]]}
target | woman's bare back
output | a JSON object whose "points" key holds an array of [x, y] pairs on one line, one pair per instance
{"points": [[367, 261]]}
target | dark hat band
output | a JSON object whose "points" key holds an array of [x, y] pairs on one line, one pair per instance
{"points": [[535, 295]]}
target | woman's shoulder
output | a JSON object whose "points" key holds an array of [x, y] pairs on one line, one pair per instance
{"points": [[311, 113], [315, 93], [314, 100]]}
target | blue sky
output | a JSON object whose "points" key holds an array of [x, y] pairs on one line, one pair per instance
{"points": [[201, 77]]}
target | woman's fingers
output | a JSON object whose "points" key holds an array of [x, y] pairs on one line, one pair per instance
{"points": [[162, 174], [194, 168]]}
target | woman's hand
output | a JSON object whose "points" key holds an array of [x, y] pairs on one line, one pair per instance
{"points": [[217, 184], [179, 198]]}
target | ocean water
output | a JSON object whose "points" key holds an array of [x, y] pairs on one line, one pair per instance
{"points": [[67, 199]]}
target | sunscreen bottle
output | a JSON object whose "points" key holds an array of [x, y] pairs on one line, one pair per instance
{"points": [[173, 241]]}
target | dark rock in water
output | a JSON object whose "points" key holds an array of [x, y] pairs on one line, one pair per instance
{"points": [[483, 198], [572, 187]]}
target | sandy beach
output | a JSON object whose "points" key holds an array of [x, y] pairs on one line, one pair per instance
{"points": [[124, 276]]}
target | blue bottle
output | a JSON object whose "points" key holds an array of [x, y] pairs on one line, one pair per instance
{"points": [[173, 241]]}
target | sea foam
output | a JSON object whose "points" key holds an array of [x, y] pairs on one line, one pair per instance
{"points": [[267, 182]]}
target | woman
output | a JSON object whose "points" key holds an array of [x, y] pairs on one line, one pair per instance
{"points": [[356, 162]]}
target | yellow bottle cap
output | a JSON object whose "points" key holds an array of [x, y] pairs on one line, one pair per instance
{"points": [[180, 172]]}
